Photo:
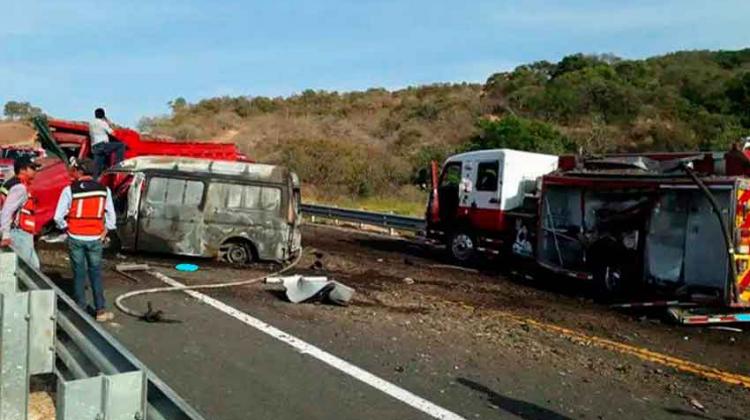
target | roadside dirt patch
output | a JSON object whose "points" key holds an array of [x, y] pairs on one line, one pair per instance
{"points": [[16, 133], [42, 399]]}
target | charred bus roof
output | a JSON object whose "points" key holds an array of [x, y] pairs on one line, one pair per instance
{"points": [[250, 171]]}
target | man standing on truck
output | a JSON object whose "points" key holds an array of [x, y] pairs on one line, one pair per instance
{"points": [[101, 146], [85, 210], [17, 220]]}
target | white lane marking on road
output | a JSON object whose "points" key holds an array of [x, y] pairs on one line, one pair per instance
{"points": [[303, 347]]}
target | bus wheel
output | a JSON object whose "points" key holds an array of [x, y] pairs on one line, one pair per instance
{"points": [[462, 246], [237, 252]]}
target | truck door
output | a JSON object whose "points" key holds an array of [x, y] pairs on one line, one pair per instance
{"points": [[448, 192], [485, 199], [171, 216]]}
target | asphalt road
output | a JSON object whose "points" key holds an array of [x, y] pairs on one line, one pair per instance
{"points": [[228, 370], [420, 337]]}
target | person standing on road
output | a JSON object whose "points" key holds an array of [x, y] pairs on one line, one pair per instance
{"points": [[17, 219], [101, 146], [86, 211]]}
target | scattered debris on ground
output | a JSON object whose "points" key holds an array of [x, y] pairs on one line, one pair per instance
{"points": [[124, 270], [313, 289]]}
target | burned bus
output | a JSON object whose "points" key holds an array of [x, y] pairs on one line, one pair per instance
{"points": [[235, 211]]}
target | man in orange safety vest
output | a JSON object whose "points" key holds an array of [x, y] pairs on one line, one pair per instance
{"points": [[86, 212], [17, 218]]}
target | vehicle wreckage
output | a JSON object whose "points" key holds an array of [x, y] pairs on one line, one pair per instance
{"points": [[227, 207], [670, 229], [237, 211]]}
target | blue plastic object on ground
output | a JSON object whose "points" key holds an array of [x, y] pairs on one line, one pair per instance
{"points": [[186, 267]]}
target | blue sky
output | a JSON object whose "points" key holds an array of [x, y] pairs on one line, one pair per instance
{"points": [[133, 56]]}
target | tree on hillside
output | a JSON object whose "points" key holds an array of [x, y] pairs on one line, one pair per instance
{"points": [[738, 92], [178, 104], [15, 110], [519, 133]]}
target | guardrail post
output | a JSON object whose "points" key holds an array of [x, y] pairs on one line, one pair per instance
{"points": [[8, 264], [42, 311], [27, 337], [14, 368], [107, 397]]}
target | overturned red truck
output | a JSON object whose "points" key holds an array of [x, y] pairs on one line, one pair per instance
{"points": [[670, 228], [64, 141]]}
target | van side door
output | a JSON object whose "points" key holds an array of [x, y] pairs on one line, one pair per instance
{"points": [[171, 216], [127, 205], [248, 211]]}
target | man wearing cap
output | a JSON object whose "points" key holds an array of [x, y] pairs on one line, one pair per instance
{"points": [[86, 211], [17, 220]]}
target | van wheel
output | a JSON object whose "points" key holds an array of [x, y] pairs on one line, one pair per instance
{"points": [[462, 246], [237, 252]]}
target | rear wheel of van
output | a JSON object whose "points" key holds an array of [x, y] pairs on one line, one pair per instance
{"points": [[462, 246], [237, 252]]}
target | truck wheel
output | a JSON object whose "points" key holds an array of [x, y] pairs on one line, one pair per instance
{"points": [[609, 281], [462, 246]]}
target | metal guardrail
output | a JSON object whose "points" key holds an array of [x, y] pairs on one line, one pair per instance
{"points": [[390, 221], [85, 350]]}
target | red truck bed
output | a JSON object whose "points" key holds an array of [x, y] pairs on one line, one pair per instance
{"points": [[74, 131]]}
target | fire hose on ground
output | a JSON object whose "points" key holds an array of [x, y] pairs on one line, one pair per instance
{"points": [[152, 316]]}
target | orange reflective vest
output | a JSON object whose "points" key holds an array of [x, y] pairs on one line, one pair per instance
{"points": [[25, 219], [86, 213]]}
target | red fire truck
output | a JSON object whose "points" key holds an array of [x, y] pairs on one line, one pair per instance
{"points": [[669, 229]]}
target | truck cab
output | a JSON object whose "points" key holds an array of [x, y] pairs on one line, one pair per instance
{"points": [[472, 203]]}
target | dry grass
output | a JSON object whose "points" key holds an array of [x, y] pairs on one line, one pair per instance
{"points": [[42, 398], [16, 133]]}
